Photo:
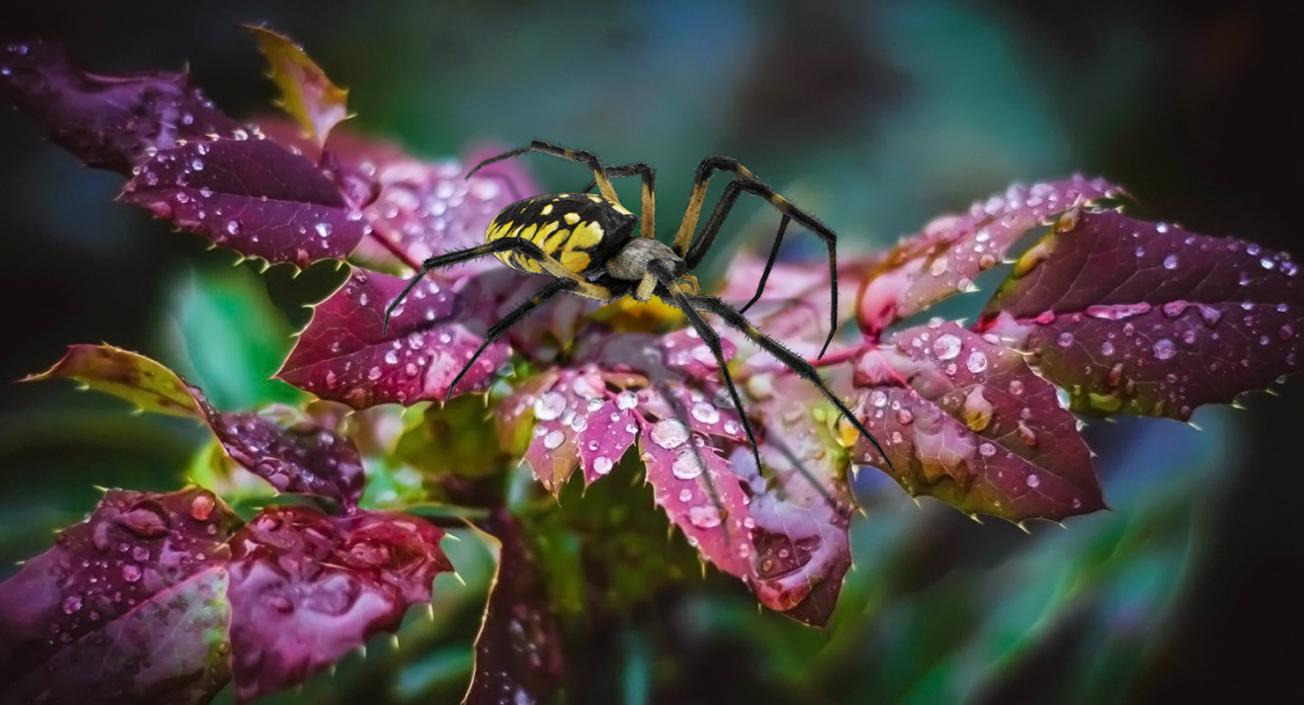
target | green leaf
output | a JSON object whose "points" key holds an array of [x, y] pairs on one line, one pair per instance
{"points": [[307, 93]]}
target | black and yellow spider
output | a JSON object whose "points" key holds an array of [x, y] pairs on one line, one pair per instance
{"points": [[586, 242]]}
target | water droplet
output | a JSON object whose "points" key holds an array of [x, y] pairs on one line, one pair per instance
{"points": [[626, 400], [977, 410], [704, 517], [706, 413], [373, 374], [201, 507], [685, 495], [71, 604], [878, 398], [987, 450], [1064, 340], [669, 433], [553, 440], [977, 362], [233, 227], [939, 267], [1164, 349], [323, 229], [549, 406], [602, 465], [1106, 348], [1032, 481], [687, 465], [1170, 262], [130, 572], [946, 347]]}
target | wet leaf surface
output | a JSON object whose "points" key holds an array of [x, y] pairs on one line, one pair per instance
{"points": [[953, 250], [251, 195], [1149, 318], [964, 419]]}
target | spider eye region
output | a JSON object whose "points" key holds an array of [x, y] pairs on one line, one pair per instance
{"points": [[578, 230]]}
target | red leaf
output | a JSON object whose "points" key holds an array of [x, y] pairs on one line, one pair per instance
{"points": [[953, 250], [114, 122], [128, 606], [251, 195], [344, 355], [306, 589], [965, 420], [1147, 318], [518, 650], [284, 447]]}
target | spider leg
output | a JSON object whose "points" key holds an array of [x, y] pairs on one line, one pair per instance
{"points": [[498, 329], [787, 357], [739, 186], [647, 228], [769, 263], [712, 339], [574, 155], [523, 248], [702, 180]]}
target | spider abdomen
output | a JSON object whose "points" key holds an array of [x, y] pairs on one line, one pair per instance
{"points": [[580, 230]]}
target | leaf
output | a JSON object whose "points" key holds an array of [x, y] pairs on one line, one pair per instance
{"points": [[518, 653], [307, 93], [799, 517], [964, 419], [128, 606], [307, 589], [251, 195], [1151, 319], [127, 375], [284, 447], [113, 122], [953, 249], [343, 354]]}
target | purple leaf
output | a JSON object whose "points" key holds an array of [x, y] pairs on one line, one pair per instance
{"points": [[799, 517], [343, 354], [1148, 318], [518, 655], [128, 606], [114, 122], [307, 588], [699, 492], [610, 432], [953, 250], [251, 195], [964, 419], [286, 448]]}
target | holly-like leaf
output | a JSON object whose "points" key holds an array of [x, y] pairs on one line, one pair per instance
{"points": [[964, 419], [799, 517], [283, 446], [1149, 318], [518, 654], [251, 195], [344, 354], [306, 589], [307, 93], [128, 606], [953, 250], [113, 122]]}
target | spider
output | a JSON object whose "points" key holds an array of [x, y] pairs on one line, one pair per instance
{"points": [[587, 244]]}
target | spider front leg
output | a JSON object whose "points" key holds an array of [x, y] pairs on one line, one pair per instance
{"points": [[500, 328], [575, 155], [523, 248], [739, 186], [696, 197]]}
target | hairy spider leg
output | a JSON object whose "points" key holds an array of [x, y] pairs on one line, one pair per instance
{"points": [[647, 227], [748, 185], [551, 265], [769, 263], [496, 331], [574, 155], [683, 302], [697, 196], [793, 361]]}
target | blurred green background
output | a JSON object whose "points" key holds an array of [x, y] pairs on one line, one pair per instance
{"points": [[876, 117]]}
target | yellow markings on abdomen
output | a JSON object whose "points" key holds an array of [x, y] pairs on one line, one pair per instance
{"points": [[563, 236]]}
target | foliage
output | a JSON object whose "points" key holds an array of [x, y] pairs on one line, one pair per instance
{"points": [[174, 594]]}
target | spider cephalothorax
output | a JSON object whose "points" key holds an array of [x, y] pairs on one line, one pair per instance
{"points": [[587, 243]]}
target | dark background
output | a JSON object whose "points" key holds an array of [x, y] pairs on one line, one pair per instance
{"points": [[879, 116]]}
